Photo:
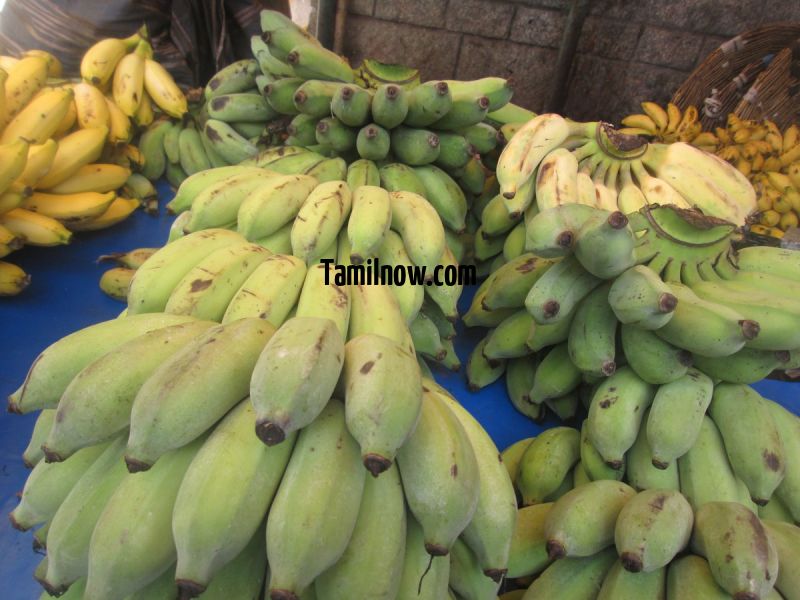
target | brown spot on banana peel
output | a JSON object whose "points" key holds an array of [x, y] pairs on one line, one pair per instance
{"points": [[367, 367], [555, 550], [392, 91], [750, 329], [667, 303], [283, 595], [660, 464], [454, 471], [772, 461], [551, 308], [442, 88], [219, 102], [50, 456]]}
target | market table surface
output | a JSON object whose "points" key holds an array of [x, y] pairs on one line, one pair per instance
{"points": [[64, 296]]}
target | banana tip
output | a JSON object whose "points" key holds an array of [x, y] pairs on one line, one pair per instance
{"points": [[617, 220], [436, 549], [53, 590], [631, 562], [750, 329], [508, 195], [555, 550], [270, 433], [282, 595], [495, 575], [660, 464], [51, 456], [667, 303], [189, 588], [608, 368], [135, 465], [745, 596], [614, 464], [376, 464], [16, 524], [13, 407]]}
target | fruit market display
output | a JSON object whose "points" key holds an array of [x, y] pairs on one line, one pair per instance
{"points": [[65, 146], [769, 157]]}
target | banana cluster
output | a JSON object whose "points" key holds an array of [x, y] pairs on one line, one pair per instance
{"points": [[668, 125], [306, 388], [585, 530]]}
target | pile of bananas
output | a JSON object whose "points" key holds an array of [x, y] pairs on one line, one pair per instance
{"points": [[143, 417], [768, 157], [65, 146]]}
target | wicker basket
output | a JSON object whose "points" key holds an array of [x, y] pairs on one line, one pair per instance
{"points": [[755, 75]]}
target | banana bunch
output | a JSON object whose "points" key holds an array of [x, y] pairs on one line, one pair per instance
{"points": [[601, 538], [305, 387], [768, 157]]}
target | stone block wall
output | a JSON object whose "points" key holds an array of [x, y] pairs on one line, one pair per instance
{"points": [[629, 50]]}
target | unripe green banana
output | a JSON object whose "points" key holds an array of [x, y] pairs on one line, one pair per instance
{"points": [[704, 327], [578, 578], [620, 584], [472, 179], [556, 375], [570, 534], [151, 145], [604, 245], [373, 142], [748, 365], [273, 204], [362, 172], [786, 539], [41, 429], [227, 142], [440, 475], [426, 338], [427, 103], [252, 131], [424, 577], [243, 577], [236, 77], [312, 61], [389, 105], [414, 146], [508, 339], [528, 554], [303, 129], [480, 371], [58, 364], [487, 247], [566, 485], [559, 290], [640, 472], [775, 510], [218, 204], [377, 546], [319, 219], [269, 65], [397, 177], [198, 182], [705, 473], [788, 426], [639, 297], [592, 463], [547, 460], [417, 221], [616, 414], [454, 151], [334, 134], [241, 107], [466, 577], [295, 376], [369, 221], [124, 559], [282, 34], [592, 335], [409, 294], [171, 143], [512, 281], [739, 550], [192, 390], [653, 359], [467, 108], [652, 528], [482, 136], [691, 577], [375, 310], [281, 95], [383, 395], [751, 437], [445, 195], [73, 523], [75, 591], [495, 218], [676, 416], [302, 544], [769, 260], [219, 509], [97, 403], [313, 98], [351, 105]]}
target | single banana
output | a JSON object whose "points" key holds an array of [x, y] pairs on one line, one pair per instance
{"points": [[593, 464], [528, 555], [620, 584], [91, 106], [24, 81], [322, 297], [546, 462], [40, 118], [508, 339], [34, 228], [480, 370], [788, 428], [363, 172], [398, 177], [227, 143], [445, 196], [74, 151], [243, 577], [556, 376], [218, 204], [369, 222], [592, 335], [785, 537], [100, 61], [319, 219], [691, 577], [41, 429], [512, 281], [163, 90], [573, 577], [639, 297], [272, 204], [99, 178], [424, 577], [557, 179], [69, 208], [197, 183], [653, 359], [556, 293], [466, 577]]}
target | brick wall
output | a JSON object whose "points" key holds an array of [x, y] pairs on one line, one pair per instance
{"points": [[630, 50]]}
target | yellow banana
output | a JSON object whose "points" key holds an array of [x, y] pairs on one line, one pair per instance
{"points": [[129, 80], [54, 67], [791, 137], [673, 118], [91, 106], [25, 79], [97, 177], [74, 151], [657, 113], [38, 121], [7, 62], [13, 196], [35, 229], [69, 120], [120, 129], [3, 78], [163, 90], [13, 157], [100, 60], [9, 241], [120, 209], [69, 208], [40, 159], [144, 113], [640, 121], [12, 279]]}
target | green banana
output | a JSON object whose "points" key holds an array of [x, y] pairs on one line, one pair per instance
{"points": [[301, 545], [303, 130], [511, 283], [410, 295], [370, 218], [785, 537], [512, 456], [751, 437], [414, 146], [446, 296], [273, 204], [218, 204], [281, 95], [97, 403], [472, 178], [788, 427], [57, 365], [175, 174], [397, 177], [495, 218], [227, 143], [466, 578], [440, 475], [567, 530], [482, 136], [375, 310], [691, 577], [41, 430], [481, 371], [427, 103], [332, 133], [351, 105], [739, 550], [546, 462], [769, 260], [676, 416], [508, 339], [445, 195], [312, 61], [279, 242], [389, 105], [383, 396], [418, 223], [381, 516], [295, 376], [552, 232], [319, 219], [269, 65], [236, 77], [467, 108], [652, 528], [454, 151], [559, 290], [424, 577], [705, 473], [775, 510], [574, 578], [243, 577], [314, 97], [528, 555], [616, 413], [171, 143], [592, 335], [193, 389], [362, 172], [748, 365], [193, 155], [639, 297], [151, 145], [124, 559], [556, 375], [653, 359], [281, 34], [620, 584], [322, 297], [593, 464], [197, 183], [241, 107], [218, 509], [372, 142], [487, 247], [604, 245]]}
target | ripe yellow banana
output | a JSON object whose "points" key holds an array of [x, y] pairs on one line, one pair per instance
{"points": [[13, 197], [8, 241], [100, 60], [119, 210], [69, 120], [74, 151], [38, 121], [163, 90], [673, 118], [40, 159], [144, 113], [13, 157], [35, 229], [12, 279], [120, 128], [91, 106], [25, 79], [128, 85], [69, 208], [641, 121], [97, 177], [657, 113]]}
